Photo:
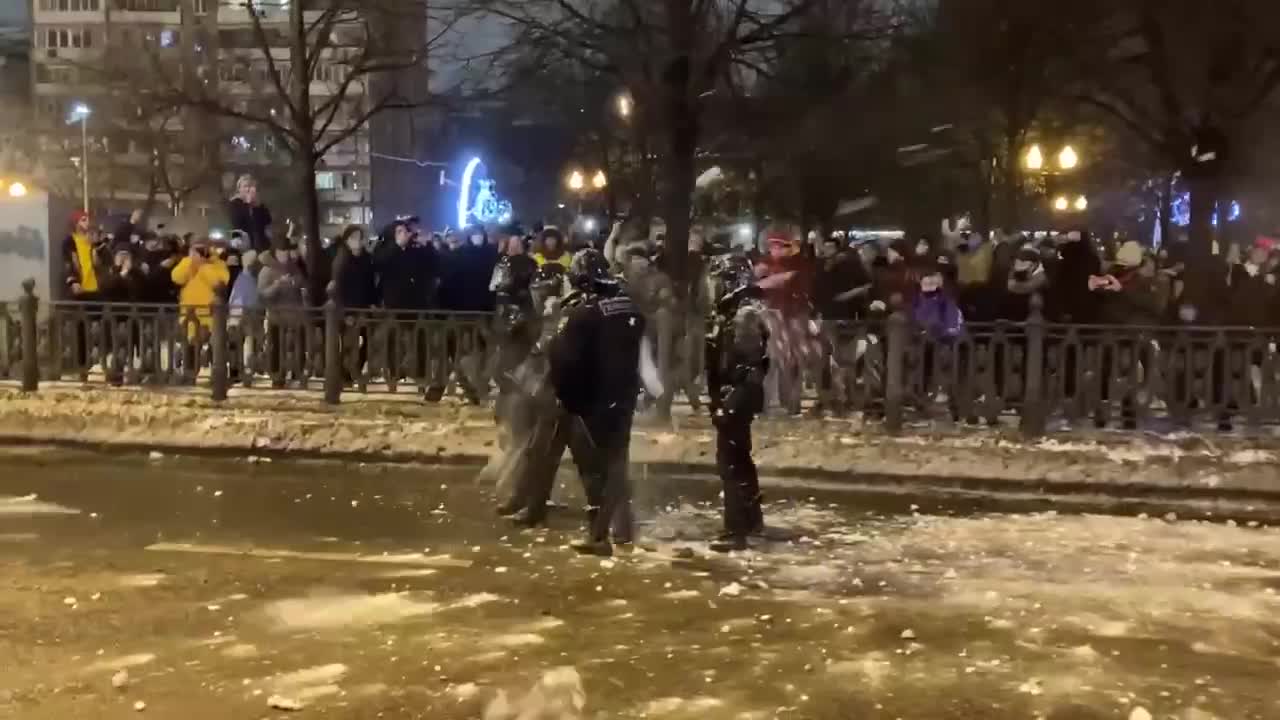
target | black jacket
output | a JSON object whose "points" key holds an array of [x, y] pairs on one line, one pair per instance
{"points": [[356, 280], [253, 221], [405, 276], [595, 360], [157, 278], [1070, 299], [464, 279], [737, 356], [121, 288], [837, 275]]}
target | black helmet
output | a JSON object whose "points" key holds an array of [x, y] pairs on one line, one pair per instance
{"points": [[589, 269], [729, 274]]}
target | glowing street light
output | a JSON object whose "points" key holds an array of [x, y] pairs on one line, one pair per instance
{"points": [[600, 180], [1068, 159], [625, 106], [17, 190], [577, 181], [1082, 203], [1035, 158], [1061, 203], [80, 113]]}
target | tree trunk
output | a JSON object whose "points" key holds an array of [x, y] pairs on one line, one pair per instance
{"points": [[305, 159], [679, 168], [1204, 270], [1012, 216], [1165, 218]]}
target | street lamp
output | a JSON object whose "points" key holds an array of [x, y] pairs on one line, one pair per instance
{"points": [[1082, 203], [80, 113], [600, 180], [624, 106], [1035, 158], [1067, 159], [577, 181], [17, 190], [1061, 204]]}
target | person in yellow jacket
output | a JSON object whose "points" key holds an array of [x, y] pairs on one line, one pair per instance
{"points": [[201, 276], [553, 249]]}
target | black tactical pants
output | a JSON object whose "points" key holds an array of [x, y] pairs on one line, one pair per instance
{"points": [[738, 477], [600, 450]]}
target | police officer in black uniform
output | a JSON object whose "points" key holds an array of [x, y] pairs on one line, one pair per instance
{"points": [[594, 373], [517, 322], [737, 361]]}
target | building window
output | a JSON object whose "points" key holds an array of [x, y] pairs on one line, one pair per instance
{"points": [[147, 5], [168, 38], [202, 7], [70, 5], [325, 181], [65, 38]]}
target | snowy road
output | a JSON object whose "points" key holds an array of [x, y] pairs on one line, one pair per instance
{"points": [[203, 590]]}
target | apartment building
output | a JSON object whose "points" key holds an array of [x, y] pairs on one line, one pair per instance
{"points": [[113, 56]]}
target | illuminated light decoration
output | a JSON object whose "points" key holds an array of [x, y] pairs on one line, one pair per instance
{"points": [[599, 181], [17, 189], [464, 192], [483, 206], [1082, 203], [1181, 211], [1061, 203], [577, 181]]}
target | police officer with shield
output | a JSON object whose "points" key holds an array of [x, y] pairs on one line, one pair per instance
{"points": [[594, 360]]}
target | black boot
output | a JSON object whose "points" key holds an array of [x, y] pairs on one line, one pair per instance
{"points": [[599, 548], [727, 543], [525, 519]]}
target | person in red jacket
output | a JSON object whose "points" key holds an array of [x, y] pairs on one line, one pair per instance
{"points": [[786, 279]]}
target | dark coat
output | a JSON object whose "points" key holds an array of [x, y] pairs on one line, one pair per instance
{"points": [[356, 280], [1070, 299], [464, 279], [835, 276], [1251, 298], [405, 277], [253, 221], [595, 361]]}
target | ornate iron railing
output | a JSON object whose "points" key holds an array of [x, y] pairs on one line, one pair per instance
{"points": [[1032, 373]]}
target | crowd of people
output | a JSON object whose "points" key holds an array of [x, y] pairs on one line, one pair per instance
{"points": [[943, 283]]}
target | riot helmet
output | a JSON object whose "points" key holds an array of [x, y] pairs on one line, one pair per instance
{"points": [[589, 270], [728, 276]]}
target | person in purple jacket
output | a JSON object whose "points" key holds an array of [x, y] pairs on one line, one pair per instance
{"points": [[934, 310]]}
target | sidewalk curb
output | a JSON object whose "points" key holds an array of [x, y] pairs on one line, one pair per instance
{"points": [[1130, 498]]}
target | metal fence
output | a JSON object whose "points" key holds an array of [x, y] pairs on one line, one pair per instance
{"points": [[1034, 374]]}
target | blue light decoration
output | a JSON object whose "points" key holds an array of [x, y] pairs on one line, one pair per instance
{"points": [[478, 199], [1181, 211]]}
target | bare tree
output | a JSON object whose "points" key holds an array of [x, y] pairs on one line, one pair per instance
{"points": [[671, 56], [317, 71], [1190, 80]]}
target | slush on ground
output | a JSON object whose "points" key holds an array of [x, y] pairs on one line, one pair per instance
{"points": [[210, 589]]}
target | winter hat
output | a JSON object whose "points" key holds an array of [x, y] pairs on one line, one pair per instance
{"points": [[1130, 254]]}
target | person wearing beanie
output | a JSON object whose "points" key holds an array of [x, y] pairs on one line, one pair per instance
{"points": [[552, 249], [82, 259]]}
